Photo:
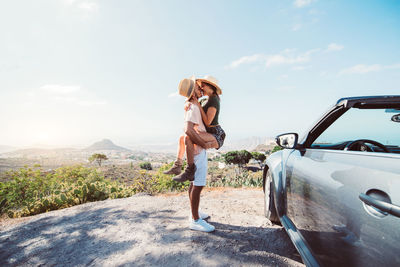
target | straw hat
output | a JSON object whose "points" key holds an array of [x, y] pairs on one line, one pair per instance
{"points": [[186, 87], [211, 80]]}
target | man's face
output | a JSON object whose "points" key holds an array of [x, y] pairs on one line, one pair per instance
{"points": [[197, 91]]}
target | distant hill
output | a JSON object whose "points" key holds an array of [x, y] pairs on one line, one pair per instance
{"points": [[37, 152], [249, 144], [105, 144], [264, 148], [4, 149]]}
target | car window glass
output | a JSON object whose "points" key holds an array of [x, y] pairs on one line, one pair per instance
{"points": [[372, 124]]}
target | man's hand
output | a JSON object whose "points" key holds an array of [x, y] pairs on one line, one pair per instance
{"points": [[209, 145]]}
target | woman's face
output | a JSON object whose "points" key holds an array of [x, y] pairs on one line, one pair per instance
{"points": [[207, 89]]}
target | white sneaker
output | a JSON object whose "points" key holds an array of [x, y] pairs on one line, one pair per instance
{"points": [[201, 225], [202, 215]]}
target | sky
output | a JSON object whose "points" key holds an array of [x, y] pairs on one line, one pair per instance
{"points": [[73, 72]]}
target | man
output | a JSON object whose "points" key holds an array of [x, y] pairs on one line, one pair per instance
{"points": [[194, 124]]}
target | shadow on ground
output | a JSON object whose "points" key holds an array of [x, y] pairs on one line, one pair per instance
{"points": [[116, 236], [65, 240]]}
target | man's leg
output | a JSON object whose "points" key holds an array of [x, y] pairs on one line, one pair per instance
{"points": [[177, 167], [195, 201], [209, 139], [198, 223]]}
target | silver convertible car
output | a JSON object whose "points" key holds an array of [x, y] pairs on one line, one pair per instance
{"points": [[336, 191]]}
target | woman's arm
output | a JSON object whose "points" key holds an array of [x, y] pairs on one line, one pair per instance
{"points": [[209, 116]]}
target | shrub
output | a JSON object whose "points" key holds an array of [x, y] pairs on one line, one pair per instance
{"points": [[146, 166], [99, 158], [32, 191], [165, 182], [276, 148], [240, 158], [234, 179]]}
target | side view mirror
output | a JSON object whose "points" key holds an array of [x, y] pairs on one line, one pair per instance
{"points": [[396, 118], [287, 140]]}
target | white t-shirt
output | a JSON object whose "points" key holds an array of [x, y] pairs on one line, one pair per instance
{"points": [[193, 115]]}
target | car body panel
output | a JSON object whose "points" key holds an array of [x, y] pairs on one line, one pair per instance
{"points": [[322, 193], [317, 196]]}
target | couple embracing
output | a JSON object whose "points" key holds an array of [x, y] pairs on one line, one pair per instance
{"points": [[202, 132]]}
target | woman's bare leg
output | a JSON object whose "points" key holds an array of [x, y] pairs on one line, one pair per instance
{"points": [[177, 167], [181, 147], [190, 170]]}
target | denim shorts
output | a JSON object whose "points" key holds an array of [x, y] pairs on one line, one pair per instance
{"points": [[218, 133]]}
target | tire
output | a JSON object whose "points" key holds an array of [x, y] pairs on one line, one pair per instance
{"points": [[269, 201]]}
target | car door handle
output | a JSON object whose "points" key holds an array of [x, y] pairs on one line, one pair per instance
{"points": [[381, 205]]}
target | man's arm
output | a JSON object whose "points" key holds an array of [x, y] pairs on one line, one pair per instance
{"points": [[194, 136]]}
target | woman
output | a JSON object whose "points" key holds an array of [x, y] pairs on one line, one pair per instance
{"points": [[210, 111], [214, 137]]}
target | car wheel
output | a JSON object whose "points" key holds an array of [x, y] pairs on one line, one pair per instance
{"points": [[269, 202]]}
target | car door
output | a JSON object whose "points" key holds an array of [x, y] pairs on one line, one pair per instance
{"points": [[324, 184]]}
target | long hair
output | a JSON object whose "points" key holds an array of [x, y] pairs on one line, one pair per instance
{"points": [[214, 89]]}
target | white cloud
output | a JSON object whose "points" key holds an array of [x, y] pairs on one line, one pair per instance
{"points": [[88, 103], [286, 57], [285, 89], [298, 68], [296, 27], [302, 3], [64, 94], [87, 5], [62, 89], [323, 73], [362, 69], [283, 77], [394, 66], [174, 94], [334, 47], [247, 59]]}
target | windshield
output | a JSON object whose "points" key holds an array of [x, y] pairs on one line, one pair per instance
{"points": [[375, 124]]}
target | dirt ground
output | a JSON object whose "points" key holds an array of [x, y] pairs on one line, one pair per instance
{"points": [[150, 231]]}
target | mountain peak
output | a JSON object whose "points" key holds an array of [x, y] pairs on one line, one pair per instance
{"points": [[106, 144]]}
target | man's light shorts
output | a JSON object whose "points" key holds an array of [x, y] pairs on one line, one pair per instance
{"points": [[200, 160]]}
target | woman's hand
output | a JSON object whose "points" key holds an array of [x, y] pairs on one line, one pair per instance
{"points": [[187, 106]]}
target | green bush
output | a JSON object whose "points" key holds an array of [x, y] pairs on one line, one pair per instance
{"points": [[32, 191], [165, 182], [240, 158], [237, 179], [146, 166]]}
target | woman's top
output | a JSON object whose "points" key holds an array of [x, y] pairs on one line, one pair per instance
{"points": [[212, 101]]}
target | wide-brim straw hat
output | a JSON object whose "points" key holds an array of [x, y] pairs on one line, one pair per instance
{"points": [[186, 87], [211, 80]]}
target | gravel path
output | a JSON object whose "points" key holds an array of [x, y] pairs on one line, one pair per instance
{"points": [[150, 231]]}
